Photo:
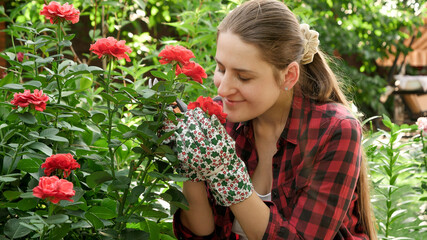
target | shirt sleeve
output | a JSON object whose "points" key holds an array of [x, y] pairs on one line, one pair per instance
{"points": [[320, 207]]}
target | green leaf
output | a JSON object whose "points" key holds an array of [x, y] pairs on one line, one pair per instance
{"points": [[34, 84], [13, 86], [27, 118], [85, 83], [387, 122], [27, 204], [27, 195], [109, 97], [121, 183], [6, 80], [109, 203], [44, 60], [146, 212], [135, 193], [94, 220], [176, 177], [154, 230], [98, 117], [7, 179], [147, 93], [13, 229], [102, 212], [60, 231], [159, 74], [10, 195], [41, 147], [29, 165], [49, 132], [57, 219], [97, 178], [58, 139], [164, 149], [65, 43], [166, 237], [134, 234]]}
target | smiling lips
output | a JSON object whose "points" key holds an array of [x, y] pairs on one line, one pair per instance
{"points": [[232, 102]]}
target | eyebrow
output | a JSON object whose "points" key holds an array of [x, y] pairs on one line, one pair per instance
{"points": [[235, 69]]}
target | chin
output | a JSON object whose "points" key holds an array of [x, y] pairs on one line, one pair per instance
{"points": [[236, 118]]}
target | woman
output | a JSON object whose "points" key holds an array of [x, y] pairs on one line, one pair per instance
{"points": [[304, 175]]}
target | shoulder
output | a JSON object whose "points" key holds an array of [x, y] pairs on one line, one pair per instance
{"points": [[326, 120], [332, 114]]}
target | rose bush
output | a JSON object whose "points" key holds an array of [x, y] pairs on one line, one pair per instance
{"points": [[83, 156]]}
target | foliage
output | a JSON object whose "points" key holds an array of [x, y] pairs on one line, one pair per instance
{"points": [[125, 187], [361, 32], [109, 120], [398, 172]]}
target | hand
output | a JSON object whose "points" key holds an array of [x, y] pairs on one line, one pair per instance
{"points": [[186, 168], [207, 151]]}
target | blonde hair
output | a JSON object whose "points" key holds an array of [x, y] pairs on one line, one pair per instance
{"points": [[275, 31]]}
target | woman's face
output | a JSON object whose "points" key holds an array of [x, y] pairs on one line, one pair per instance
{"points": [[245, 82]]}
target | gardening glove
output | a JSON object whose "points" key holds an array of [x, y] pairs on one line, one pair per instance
{"points": [[206, 150], [185, 168]]}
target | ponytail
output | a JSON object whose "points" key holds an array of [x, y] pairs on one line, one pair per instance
{"points": [[319, 83]]}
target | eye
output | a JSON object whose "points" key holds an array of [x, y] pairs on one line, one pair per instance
{"points": [[243, 78], [219, 69]]}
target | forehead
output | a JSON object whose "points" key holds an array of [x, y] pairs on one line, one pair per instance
{"points": [[231, 50]]}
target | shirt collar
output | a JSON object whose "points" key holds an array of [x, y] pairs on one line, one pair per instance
{"points": [[296, 115]]}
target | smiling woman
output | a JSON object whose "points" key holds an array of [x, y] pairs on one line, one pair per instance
{"points": [[290, 125]]}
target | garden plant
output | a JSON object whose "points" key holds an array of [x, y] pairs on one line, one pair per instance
{"points": [[82, 146]]}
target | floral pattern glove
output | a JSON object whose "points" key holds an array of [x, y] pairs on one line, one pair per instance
{"points": [[185, 167], [205, 148]]}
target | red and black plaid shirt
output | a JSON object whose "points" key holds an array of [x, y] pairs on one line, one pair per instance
{"points": [[315, 173]]}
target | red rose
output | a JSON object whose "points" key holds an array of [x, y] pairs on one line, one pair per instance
{"points": [[193, 70], [57, 13], [175, 53], [54, 189], [64, 162], [111, 47], [210, 107], [20, 56], [37, 99]]}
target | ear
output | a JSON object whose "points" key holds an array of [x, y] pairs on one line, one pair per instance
{"points": [[290, 76]]}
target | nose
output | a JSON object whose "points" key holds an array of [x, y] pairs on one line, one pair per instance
{"points": [[225, 85]]}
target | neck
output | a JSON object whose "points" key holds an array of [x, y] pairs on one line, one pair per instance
{"points": [[274, 119]]}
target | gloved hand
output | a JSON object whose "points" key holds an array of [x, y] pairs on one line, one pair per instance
{"points": [[206, 153], [187, 166]]}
